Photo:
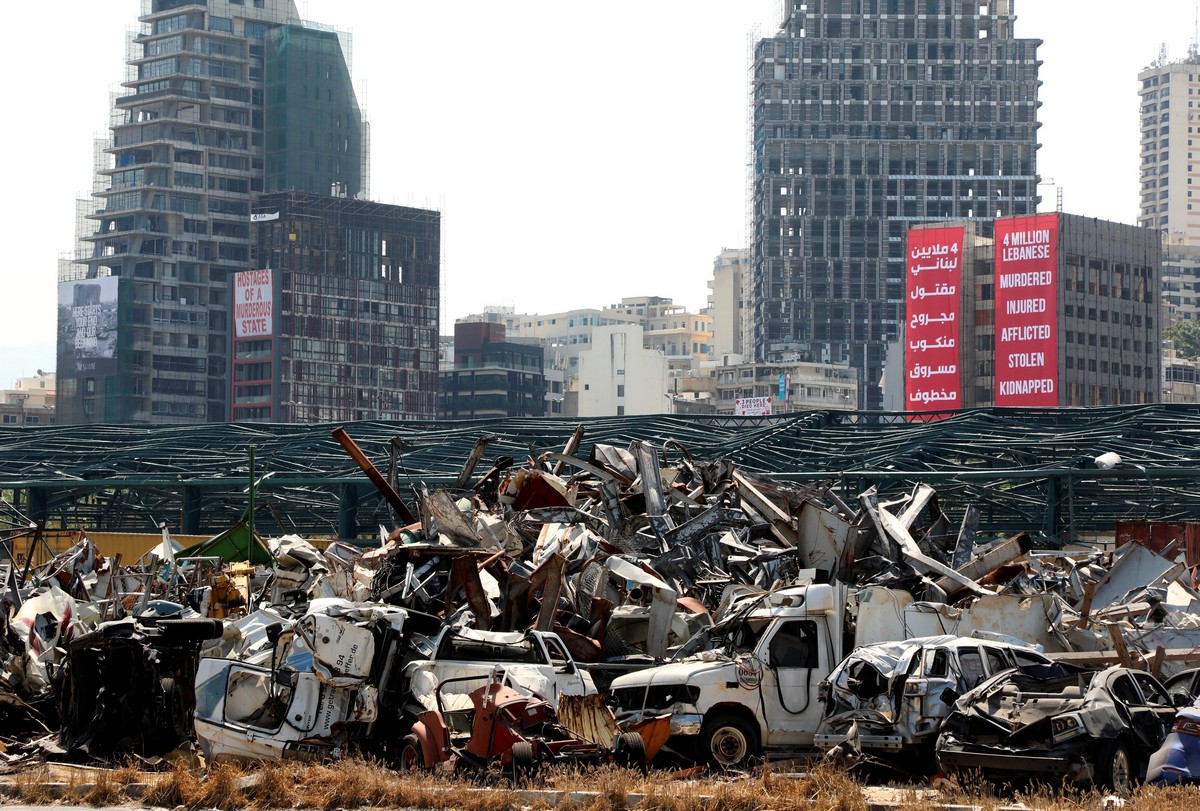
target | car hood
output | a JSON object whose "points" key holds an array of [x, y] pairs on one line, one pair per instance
{"points": [[672, 673]]}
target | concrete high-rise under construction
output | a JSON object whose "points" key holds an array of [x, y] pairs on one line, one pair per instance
{"points": [[870, 116], [223, 100]]}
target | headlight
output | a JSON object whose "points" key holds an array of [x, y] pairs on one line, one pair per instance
{"points": [[1066, 726], [915, 687]]}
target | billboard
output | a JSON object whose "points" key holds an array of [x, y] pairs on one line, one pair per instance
{"points": [[933, 310], [752, 407], [87, 325], [1027, 311], [253, 304]]}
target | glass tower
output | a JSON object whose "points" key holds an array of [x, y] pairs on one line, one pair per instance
{"points": [[202, 126]]}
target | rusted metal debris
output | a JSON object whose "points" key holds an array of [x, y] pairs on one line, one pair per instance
{"points": [[616, 561]]}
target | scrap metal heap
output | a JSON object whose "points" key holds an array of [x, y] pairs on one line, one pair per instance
{"points": [[621, 553]]}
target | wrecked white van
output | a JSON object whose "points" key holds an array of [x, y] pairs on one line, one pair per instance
{"points": [[319, 692]]}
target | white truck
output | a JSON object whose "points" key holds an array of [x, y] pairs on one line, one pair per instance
{"points": [[749, 684]]}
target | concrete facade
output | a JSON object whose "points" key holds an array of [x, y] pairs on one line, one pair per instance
{"points": [[725, 301], [618, 376], [30, 401], [1169, 95], [869, 117]]}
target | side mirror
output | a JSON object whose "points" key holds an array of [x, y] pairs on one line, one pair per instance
{"points": [[950, 695], [286, 677], [1180, 700], [274, 631], [567, 668]]}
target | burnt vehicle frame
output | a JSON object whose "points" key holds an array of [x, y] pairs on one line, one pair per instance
{"points": [[128, 687], [1058, 721]]}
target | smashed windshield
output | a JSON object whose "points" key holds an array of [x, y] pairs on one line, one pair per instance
{"points": [[729, 639]]}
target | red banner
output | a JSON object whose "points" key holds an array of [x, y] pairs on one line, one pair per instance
{"points": [[932, 381], [1027, 311]]}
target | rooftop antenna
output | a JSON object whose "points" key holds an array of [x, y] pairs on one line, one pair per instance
{"points": [[1194, 47]]}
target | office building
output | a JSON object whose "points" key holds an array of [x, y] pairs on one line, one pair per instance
{"points": [[338, 320], [223, 100], [492, 376], [870, 116]]}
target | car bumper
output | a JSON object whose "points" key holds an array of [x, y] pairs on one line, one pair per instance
{"points": [[890, 743], [1009, 762]]}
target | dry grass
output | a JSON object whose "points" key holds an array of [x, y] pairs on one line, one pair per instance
{"points": [[353, 784], [31, 787]]}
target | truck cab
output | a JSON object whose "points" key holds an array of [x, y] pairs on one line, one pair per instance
{"points": [[748, 685]]}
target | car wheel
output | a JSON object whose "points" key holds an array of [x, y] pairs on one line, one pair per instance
{"points": [[524, 762], [630, 752], [729, 742], [412, 757], [1115, 769]]}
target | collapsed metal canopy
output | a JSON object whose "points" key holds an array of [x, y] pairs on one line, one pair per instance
{"points": [[1025, 469]]}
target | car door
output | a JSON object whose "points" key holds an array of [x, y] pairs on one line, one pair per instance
{"points": [[1144, 719], [1158, 701], [792, 655]]}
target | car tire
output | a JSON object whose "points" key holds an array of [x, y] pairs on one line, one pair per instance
{"points": [[412, 756], [728, 742], [1115, 769], [630, 751], [524, 762]]}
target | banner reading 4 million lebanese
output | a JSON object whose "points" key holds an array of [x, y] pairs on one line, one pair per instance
{"points": [[1027, 311]]}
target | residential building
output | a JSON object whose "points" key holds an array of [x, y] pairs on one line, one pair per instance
{"points": [[619, 376], [1181, 378], [1168, 95], [725, 301], [30, 401], [868, 117], [223, 100], [1180, 281], [685, 339], [493, 376], [791, 386], [339, 318]]}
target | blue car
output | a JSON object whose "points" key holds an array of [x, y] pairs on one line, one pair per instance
{"points": [[1178, 759]]}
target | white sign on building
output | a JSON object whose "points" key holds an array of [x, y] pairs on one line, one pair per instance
{"points": [[253, 307], [752, 407]]}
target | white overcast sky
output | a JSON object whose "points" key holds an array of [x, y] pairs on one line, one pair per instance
{"points": [[580, 152]]}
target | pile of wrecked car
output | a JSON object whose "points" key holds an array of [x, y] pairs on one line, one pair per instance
{"points": [[726, 617]]}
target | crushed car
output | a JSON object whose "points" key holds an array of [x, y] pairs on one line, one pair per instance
{"points": [[1058, 721], [895, 695], [536, 660], [126, 687], [1177, 761], [506, 726], [317, 693]]}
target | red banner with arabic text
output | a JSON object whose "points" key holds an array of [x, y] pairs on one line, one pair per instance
{"points": [[932, 380]]}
